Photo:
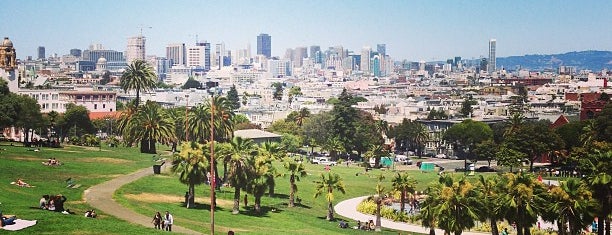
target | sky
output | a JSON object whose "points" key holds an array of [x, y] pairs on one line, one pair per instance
{"points": [[411, 29]]}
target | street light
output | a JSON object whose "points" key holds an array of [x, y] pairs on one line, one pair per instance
{"points": [[212, 161], [186, 120]]}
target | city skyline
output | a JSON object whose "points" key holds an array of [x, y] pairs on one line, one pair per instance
{"points": [[419, 30]]}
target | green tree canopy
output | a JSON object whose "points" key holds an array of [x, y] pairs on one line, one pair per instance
{"points": [[233, 98], [138, 76]]}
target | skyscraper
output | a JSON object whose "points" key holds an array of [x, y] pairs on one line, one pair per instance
{"points": [[198, 56], [492, 65], [366, 52], [135, 49], [75, 52], [381, 49], [41, 52], [176, 53], [264, 45]]}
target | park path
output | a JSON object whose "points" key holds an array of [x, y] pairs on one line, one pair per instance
{"points": [[348, 208], [101, 197]]}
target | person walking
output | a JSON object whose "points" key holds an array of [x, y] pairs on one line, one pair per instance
{"points": [[157, 219], [168, 221]]}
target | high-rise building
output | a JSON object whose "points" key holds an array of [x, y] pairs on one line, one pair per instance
{"points": [[75, 52], [264, 45], [135, 49], [41, 52], [198, 56], [217, 62], [381, 49], [298, 56], [176, 54], [366, 52], [313, 53], [492, 63]]}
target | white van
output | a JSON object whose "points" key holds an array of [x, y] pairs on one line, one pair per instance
{"points": [[403, 159]]}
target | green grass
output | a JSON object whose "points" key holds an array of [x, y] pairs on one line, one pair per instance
{"points": [[164, 192], [87, 166]]}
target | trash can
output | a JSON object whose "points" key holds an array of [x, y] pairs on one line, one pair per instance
{"points": [[156, 169]]}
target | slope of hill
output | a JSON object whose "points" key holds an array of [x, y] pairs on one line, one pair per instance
{"points": [[593, 60]]}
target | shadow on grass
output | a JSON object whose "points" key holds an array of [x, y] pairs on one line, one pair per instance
{"points": [[280, 195], [200, 206], [265, 210]]}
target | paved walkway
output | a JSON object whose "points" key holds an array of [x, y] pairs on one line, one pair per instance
{"points": [[101, 197], [348, 208]]}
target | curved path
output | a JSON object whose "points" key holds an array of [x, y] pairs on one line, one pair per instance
{"points": [[101, 197], [348, 208]]}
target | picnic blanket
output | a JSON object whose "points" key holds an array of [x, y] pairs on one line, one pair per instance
{"points": [[19, 225]]}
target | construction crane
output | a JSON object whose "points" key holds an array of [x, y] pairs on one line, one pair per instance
{"points": [[141, 27]]}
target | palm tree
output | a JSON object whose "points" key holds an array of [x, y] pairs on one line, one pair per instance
{"points": [[241, 150], [421, 136], [326, 186], [405, 184], [198, 124], [138, 76], [599, 179], [302, 115], [223, 116], [334, 146], [151, 125], [261, 174], [458, 207], [488, 197], [191, 165], [513, 124], [295, 171], [522, 199], [272, 151], [124, 120], [571, 202], [428, 213]]}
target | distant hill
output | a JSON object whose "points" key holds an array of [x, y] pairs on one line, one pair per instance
{"points": [[593, 60]]}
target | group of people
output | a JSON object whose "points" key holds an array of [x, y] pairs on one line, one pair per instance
{"points": [[53, 203], [163, 222], [365, 225], [52, 162]]}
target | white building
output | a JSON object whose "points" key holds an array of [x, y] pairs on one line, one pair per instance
{"points": [[135, 49], [177, 53]]}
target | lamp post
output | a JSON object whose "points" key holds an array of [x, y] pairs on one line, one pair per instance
{"points": [[212, 162], [186, 120]]}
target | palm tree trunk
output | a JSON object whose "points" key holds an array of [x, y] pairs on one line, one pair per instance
{"points": [[403, 201], [527, 230], [224, 171], [236, 208], [494, 229], [330, 211], [257, 204], [191, 196], [432, 231], [292, 191]]}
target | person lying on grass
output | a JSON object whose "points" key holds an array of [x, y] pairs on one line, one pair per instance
{"points": [[7, 219], [21, 183]]}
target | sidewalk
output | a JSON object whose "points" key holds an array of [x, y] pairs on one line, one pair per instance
{"points": [[101, 197], [348, 208]]}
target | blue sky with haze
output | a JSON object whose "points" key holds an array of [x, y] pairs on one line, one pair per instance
{"points": [[413, 30]]}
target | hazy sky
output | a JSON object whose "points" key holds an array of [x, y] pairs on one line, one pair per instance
{"points": [[413, 30]]}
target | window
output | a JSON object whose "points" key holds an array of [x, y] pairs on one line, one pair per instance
{"points": [[103, 106], [95, 106]]}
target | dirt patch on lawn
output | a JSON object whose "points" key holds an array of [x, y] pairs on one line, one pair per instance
{"points": [[102, 160], [152, 198], [27, 158]]}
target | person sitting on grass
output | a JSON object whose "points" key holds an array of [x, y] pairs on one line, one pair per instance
{"points": [[7, 219], [42, 203], [91, 214]]}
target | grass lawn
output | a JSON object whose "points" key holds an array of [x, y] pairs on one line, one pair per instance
{"points": [[90, 166], [164, 192], [87, 166]]}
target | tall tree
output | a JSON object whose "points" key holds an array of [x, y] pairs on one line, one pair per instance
{"points": [[466, 135], [459, 206], [534, 139], [293, 92], [598, 170], [278, 91], [295, 171], [191, 165], [138, 76], [488, 196], [233, 98], [326, 185], [76, 119], [466, 107], [241, 151], [571, 203], [522, 199], [151, 125], [404, 183], [261, 175]]}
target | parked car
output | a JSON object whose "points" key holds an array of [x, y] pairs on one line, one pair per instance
{"points": [[403, 159], [327, 162], [485, 169]]}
